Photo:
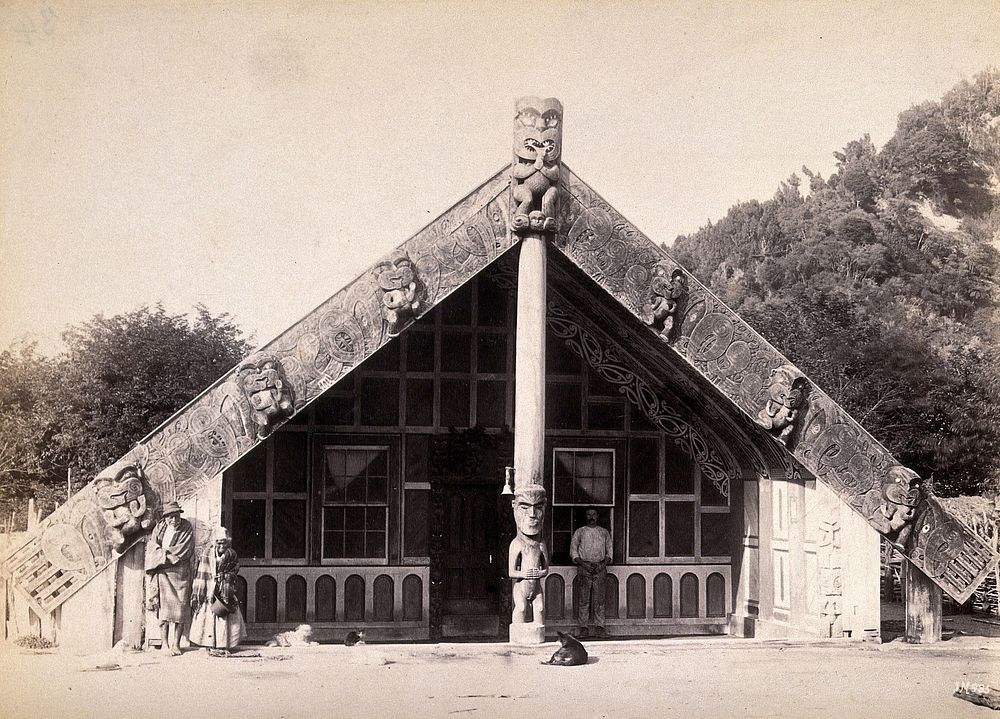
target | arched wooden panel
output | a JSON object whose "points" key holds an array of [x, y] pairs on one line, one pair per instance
{"points": [[715, 595], [266, 599], [555, 597], [382, 589], [326, 599], [413, 598], [635, 597], [611, 598], [295, 599], [354, 599], [241, 593], [689, 595], [663, 596]]}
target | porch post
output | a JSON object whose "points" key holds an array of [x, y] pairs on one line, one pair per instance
{"points": [[922, 603], [533, 216], [529, 390]]}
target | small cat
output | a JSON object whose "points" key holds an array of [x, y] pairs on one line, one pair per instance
{"points": [[570, 652], [301, 636], [354, 638]]}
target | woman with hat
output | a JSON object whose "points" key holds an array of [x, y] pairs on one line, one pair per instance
{"points": [[217, 621], [168, 571]]}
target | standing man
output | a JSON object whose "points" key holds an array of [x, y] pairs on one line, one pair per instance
{"points": [[169, 573], [590, 550]]}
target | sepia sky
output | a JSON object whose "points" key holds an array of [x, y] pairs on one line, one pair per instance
{"points": [[256, 156]]}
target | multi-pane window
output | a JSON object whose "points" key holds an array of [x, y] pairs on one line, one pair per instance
{"points": [[577, 397], [269, 509], [450, 369], [673, 512], [581, 478], [355, 502]]}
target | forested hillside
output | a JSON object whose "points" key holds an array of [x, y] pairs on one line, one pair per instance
{"points": [[880, 282]]}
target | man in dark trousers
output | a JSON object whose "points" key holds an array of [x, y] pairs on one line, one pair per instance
{"points": [[590, 551]]}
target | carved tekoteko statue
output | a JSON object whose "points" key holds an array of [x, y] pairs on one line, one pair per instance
{"points": [[665, 296], [893, 516], [528, 559], [397, 278], [128, 505], [269, 393], [786, 396], [535, 174]]}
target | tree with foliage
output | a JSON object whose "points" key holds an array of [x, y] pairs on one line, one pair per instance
{"points": [[888, 304], [116, 380]]}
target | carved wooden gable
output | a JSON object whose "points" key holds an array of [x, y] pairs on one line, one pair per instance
{"points": [[245, 406], [804, 422], [713, 347]]}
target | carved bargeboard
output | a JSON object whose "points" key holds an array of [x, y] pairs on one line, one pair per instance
{"points": [[717, 343], [246, 405], [605, 357]]}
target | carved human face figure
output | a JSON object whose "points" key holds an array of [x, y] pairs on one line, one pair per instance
{"points": [[126, 492], [267, 391], [397, 273], [126, 504], [529, 510], [538, 129], [396, 299], [779, 393], [397, 278], [659, 286], [678, 285], [786, 389], [903, 486]]}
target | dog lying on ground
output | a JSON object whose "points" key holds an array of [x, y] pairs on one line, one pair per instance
{"points": [[570, 652], [301, 636]]}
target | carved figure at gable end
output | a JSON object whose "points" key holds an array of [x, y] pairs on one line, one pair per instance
{"points": [[893, 518], [536, 169], [401, 290], [262, 379], [786, 397], [128, 504], [528, 558], [665, 297], [937, 543]]}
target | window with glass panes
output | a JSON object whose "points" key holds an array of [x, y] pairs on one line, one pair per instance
{"points": [[581, 478], [355, 518], [268, 509], [452, 368], [673, 511]]}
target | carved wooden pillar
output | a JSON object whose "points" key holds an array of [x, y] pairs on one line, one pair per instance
{"points": [[534, 194], [922, 602]]}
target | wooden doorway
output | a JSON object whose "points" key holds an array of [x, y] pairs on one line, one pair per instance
{"points": [[469, 561], [470, 527]]}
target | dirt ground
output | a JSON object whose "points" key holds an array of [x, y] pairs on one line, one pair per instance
{"points": [[718, 677]]}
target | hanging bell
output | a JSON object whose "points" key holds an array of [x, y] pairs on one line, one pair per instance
{"points": [[508, 481]]}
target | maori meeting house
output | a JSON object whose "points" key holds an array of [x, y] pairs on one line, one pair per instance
{"points": [[361, 458]]}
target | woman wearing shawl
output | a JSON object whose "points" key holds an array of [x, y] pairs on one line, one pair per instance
{"points": [[217, 622], [168, 570]]}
